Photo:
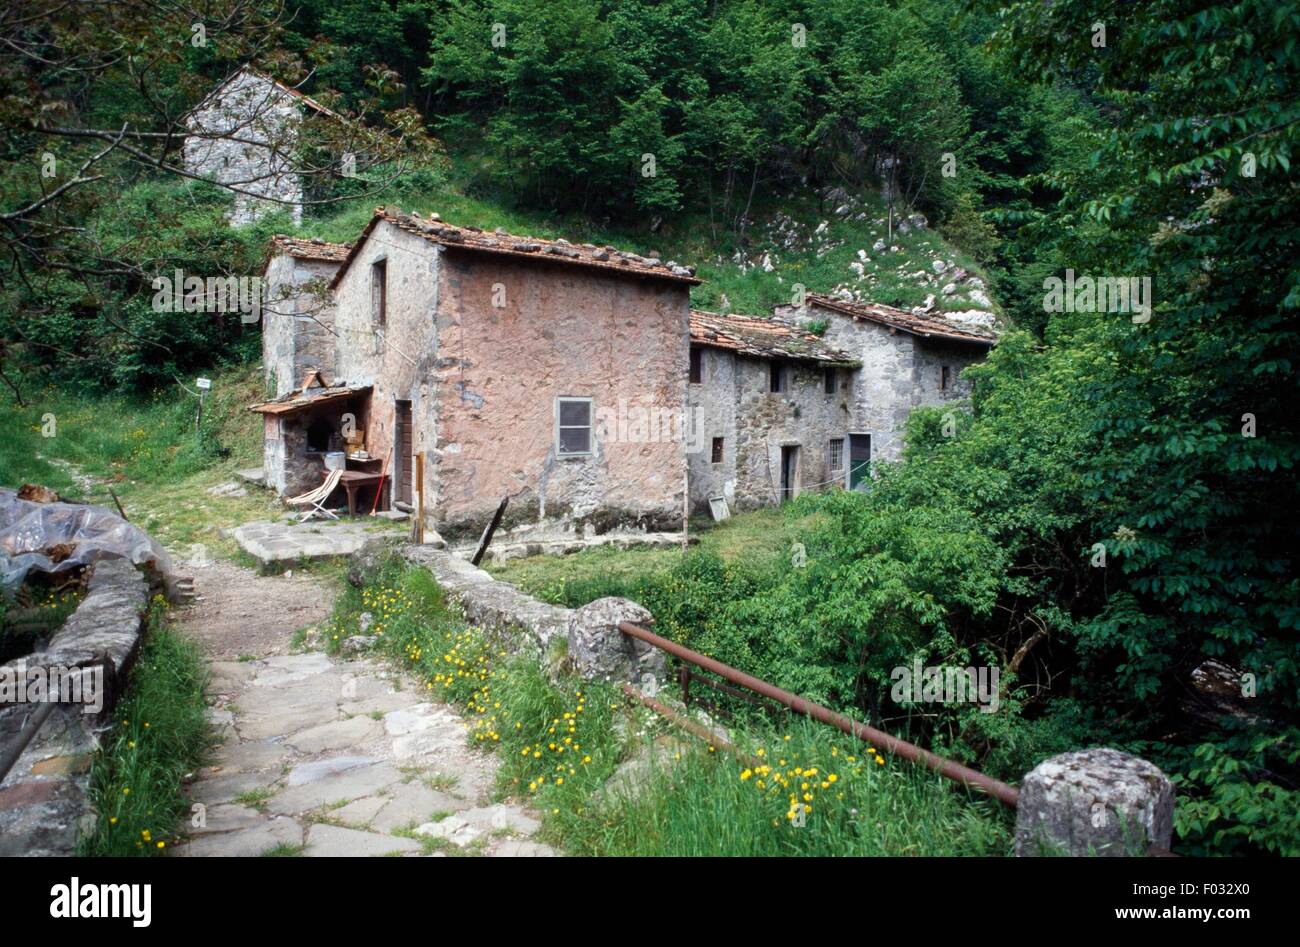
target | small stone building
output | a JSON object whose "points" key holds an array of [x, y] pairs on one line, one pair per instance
{"points": [[509, 366], [907, 360], [298, 310], [244, 135], [302, 426], [771, 408]]}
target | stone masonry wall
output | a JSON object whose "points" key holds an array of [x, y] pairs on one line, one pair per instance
{"points": [[44, 802], [561, 331], [884, 387], [297, 317], [929, 361], [803, 416], [265, 117], [401, 358], [712, 403]]}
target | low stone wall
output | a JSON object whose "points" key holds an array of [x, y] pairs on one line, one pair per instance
{"points": [[43, 800], [505, 548], [493, 604]]}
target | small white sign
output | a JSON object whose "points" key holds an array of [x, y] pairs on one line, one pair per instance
{"points": [[203, 383]]}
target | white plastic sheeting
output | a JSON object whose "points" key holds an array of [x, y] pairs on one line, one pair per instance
{"points": [[28, 529]]}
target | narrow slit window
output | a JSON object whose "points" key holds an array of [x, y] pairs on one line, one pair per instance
{"points": [[717, 450], [832, 379], [573, 427], [379, 292], [945, 377], [697, 366]]}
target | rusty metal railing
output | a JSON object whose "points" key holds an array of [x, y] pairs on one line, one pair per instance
{"points": [[973, 779]]}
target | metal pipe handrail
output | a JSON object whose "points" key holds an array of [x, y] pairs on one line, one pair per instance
{"points": [[968, 777]]}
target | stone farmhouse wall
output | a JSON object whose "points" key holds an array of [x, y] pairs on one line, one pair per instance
{"points": [[562, 332], [265, 118], [712, 404], [756, 423], [399, 359], [483, 381], [297, 316], [899, 372]]}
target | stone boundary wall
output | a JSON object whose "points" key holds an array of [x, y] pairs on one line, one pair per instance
{"points": [[44, 805], [491, 603]]}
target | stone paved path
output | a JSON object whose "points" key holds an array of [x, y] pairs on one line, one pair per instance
{"points": [[326, 756]]}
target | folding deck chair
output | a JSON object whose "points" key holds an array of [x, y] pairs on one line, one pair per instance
{"points": [[316, 498]]}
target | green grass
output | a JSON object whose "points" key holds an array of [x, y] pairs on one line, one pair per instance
{"points": [[559, 739], [159, 733], [755, 539], [284, 850], [813, 792], [147, 452]]}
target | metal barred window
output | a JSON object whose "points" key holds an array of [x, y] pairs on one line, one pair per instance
{"points": [[837, 455]]}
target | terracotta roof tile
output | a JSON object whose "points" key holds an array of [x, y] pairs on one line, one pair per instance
{"points": [[302, 399], [310, 248], [762, 338], [505, 244], [925, 326]]}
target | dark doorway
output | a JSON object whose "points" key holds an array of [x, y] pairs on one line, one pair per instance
{"points": [[789, 472], [859, 459], [402, 456]]}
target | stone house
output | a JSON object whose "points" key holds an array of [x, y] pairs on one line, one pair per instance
{"points": [[906, 359], [244, 135], [772, 407], [549, 372], [298, 310]]}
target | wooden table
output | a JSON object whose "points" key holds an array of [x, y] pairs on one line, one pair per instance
{"points": [[353, 480]]}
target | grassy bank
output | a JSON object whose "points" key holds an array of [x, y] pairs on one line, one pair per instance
{"points": [[560, 740], [760, 540], [147, 452], [159, 733]]}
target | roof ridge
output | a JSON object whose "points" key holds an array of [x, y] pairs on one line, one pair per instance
{"points": [[434, 229], [911, 322]]}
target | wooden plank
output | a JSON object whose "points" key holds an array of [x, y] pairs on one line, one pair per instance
{"points": [[491, 528]]}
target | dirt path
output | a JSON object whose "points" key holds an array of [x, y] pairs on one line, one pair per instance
{"points": [[322, 756]]}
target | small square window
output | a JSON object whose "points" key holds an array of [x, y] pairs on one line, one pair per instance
{"points": [[836, 455], [697, 366], [573, 426], [717, 450], [776, 378], [832, 379]]}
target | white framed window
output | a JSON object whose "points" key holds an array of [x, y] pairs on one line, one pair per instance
{"points": [[573, 418], [835, 456]]}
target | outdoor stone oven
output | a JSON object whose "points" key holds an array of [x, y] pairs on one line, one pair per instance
{"points": [[303, 425]]}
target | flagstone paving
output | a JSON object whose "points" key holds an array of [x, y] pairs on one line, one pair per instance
{"points": [[325, 757]]}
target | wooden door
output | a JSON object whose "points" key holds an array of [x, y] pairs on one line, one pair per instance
{"points": [[402, 456]]}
